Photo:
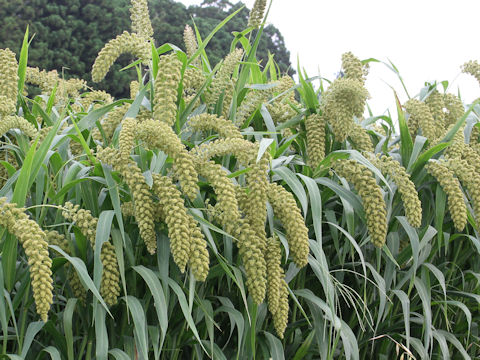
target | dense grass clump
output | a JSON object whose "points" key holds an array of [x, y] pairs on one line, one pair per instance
{"points": [[231, 213]]}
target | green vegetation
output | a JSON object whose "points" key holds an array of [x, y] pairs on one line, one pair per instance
{"points": [[69, 35], [231, 213]]}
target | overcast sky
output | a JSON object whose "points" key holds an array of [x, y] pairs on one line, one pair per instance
{"points": [[427, 40]]}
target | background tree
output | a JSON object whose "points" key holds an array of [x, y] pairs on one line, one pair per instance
{"points": [[67, 35]]}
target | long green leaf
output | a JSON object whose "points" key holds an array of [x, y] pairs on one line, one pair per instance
{"points": [[82, 272], [101, 336], [140, 326], [275, 345], [67, 326], [32, 331], [22, 62], [184, 306], [54, 353], [158, 296], [204, 43], [292, 181]]}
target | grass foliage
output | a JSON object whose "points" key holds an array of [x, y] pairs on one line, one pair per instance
{"points": [[415, 297]]}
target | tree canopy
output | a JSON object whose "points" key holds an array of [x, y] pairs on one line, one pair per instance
{"points": [[69, 35]]}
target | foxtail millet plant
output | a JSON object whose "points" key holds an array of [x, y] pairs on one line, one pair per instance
{"points": [[34, 242]]}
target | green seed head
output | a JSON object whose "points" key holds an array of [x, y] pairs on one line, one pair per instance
{"points": [[176, 218], [110, 283], [165, 87], [352, 67], [344, 99], [436, 105], [451, 186], [16, 122], [133, 44], [421, 115], [126, 139], [206, 122], [455, 109], [190, 41], [370, 193], [406, 188], [222, 79], [8, 81], [315, 128], [286, 209], [273, 258], [159, 135], [140, 18], [472, 67], [256, 14], [470, 178], [34, 243], [360, 139]]}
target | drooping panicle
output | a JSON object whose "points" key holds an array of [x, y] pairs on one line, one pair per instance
{"points": [[221, 80], [110, 281], [126, 139], [238, 147], [470, 179], [286, 209], [190, 41], [34, 243], [315, 128], [206, 122], [143, 203], [187, 243], [452, 188], [344, 99], [96, 96], [159, 135], [134, 88], [457, 148], [165, 87], [455, 109], [408, 192], [436, 105], [16, 122], [251, 249], [280, 318], [176, 218], [370, 193], [199, 258], [256, 14], [360, 138], [8, 82], [223, 187], [353, 67], [275, 285], [140, 18], [472, 67], [133, 44], [421, 115], [84, 220]]}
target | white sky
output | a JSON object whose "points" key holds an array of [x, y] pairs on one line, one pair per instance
{"points": [[427, 40]]}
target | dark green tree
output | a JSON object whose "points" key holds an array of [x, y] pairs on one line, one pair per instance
{"points": [[67, 34]]}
